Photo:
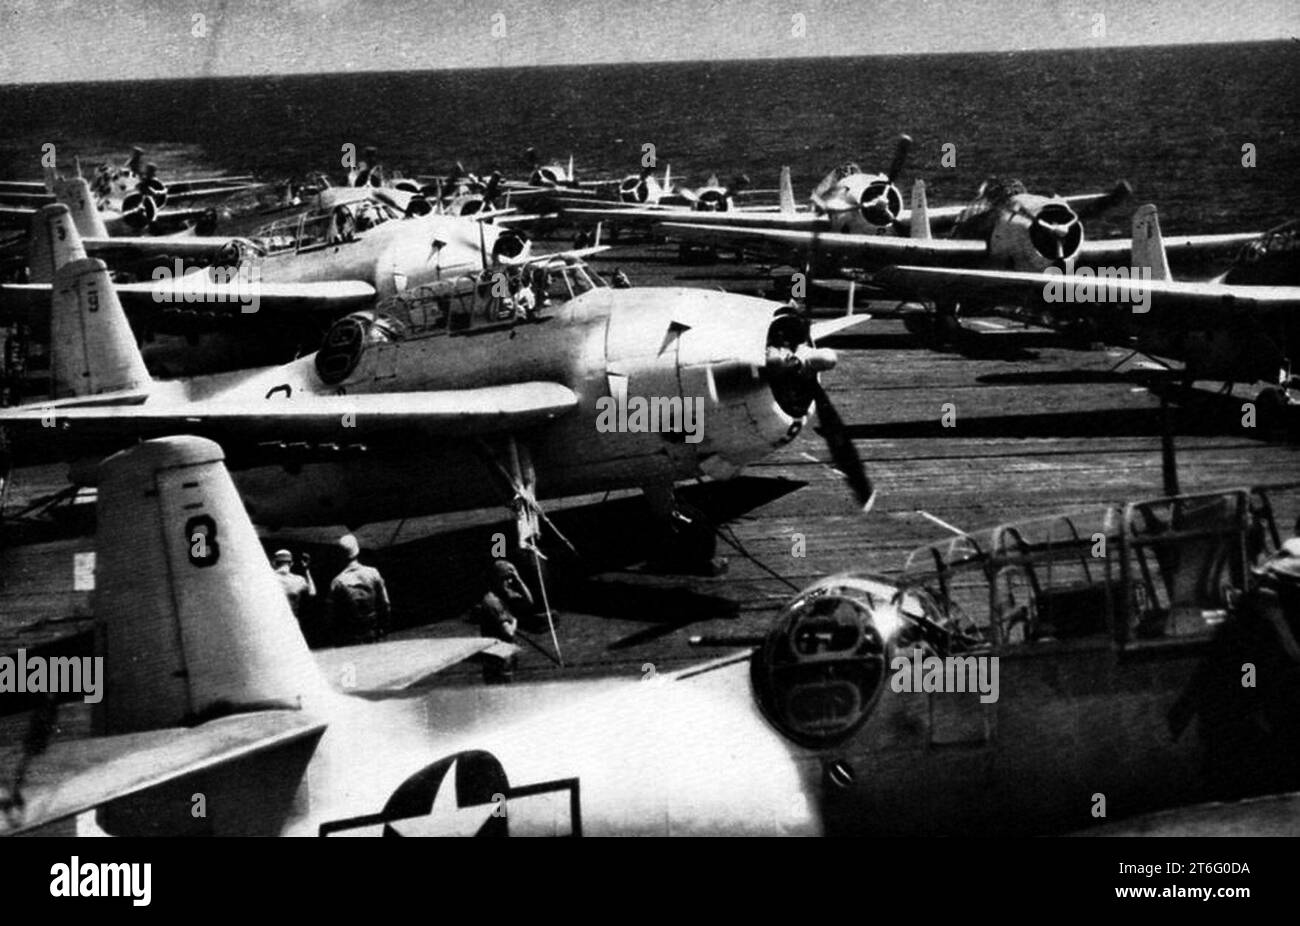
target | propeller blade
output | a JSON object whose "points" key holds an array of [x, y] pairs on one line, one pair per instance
{"points": [[490, 191], [1122, 191], [843, 453], [738, 183], [900, 157]]}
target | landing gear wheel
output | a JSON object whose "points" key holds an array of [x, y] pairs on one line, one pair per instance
{"points": [[947, 330], [919, 325], [1277, 415], [696, 254]]}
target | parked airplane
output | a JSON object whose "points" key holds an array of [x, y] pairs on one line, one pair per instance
{"points": [[447, 400], [846, 200], [660, 202], [1006, 228], [823, 727], [130, 197], [1220, 331], [318, 264], [640, 189]]}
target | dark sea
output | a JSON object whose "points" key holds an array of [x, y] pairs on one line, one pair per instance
{"points": [[1172, 121]]}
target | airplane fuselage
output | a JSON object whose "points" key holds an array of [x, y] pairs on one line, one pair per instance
{"points": [[393, 255], [702, 351], [1083, 732]]}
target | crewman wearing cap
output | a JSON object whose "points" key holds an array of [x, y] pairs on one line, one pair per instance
{"points": [[498, 613], [358, 599], [297, 588]]}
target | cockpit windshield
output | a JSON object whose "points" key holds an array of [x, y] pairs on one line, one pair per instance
{"points": [[343, 223]]}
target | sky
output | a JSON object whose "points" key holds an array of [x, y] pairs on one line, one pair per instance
{"points": [[66, 40]]}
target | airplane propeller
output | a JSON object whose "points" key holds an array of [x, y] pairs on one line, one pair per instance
{"points": [[713, 199], [139, 210], [879, 202], [1055, 232], [793, 371], [635, 189], [901, 151], [1118, 194], [843, 453]]}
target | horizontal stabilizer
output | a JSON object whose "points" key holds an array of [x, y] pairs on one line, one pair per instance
{"points": [[399, 664], [73, 776]]}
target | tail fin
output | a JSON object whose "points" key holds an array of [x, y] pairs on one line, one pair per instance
{"points": [[787, 190], [75, 194], [191, 619], [1148, 245], [136, 161], [52, 241], [91, 344], [920, 212], [571, 177], [668, 179], [50, 174]]}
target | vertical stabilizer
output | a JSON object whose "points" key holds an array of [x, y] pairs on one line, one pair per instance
{"points": [[920, 212], [52, 241], [92, 347], [75, 194], [191, 619], [1148, 245], [787, 191]]}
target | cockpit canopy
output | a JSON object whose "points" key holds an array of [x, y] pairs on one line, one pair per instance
{"points": [[342, 223]]}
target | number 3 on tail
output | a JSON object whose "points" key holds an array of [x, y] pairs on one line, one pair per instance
{"points": [[201, 536]]}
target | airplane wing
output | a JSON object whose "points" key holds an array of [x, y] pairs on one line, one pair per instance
{"points": [[22, 186], [560, 259], [865, 252], [1117, 252], [15, 216], [1086, 205], [400, 664], [829, 327], [73, 776], [195, 190], [244, 181], [1191, 301], [31, 301], [136, 247], [281, 420], [757, 218]]}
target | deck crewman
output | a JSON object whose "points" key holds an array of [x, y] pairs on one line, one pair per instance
{"points": [[358, 605], [299, 589], [498, 613]]}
